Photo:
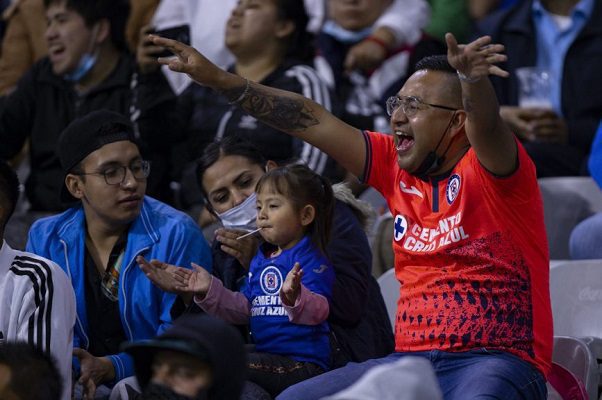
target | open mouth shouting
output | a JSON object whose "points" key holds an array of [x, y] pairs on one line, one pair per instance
{"points": [[403, 141]]}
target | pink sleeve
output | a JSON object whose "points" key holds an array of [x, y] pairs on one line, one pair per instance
{"points": [[231, 306], [309, 309]]}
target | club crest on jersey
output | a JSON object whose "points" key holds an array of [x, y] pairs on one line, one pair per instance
{"points": [[270, 280], [400, 226], [453, 188]]}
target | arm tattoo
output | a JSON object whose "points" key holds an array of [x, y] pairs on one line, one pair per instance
{"points": [[280, 111]]}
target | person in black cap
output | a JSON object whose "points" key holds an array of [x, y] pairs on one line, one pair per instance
{"points": [[199, 357], [97, 242]]}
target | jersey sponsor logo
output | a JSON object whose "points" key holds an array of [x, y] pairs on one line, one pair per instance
{"points": [[400, 226], [423, 239], [270, 280], [453, 188], [410, 190]]}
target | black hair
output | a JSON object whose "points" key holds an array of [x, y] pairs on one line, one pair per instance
{"points": [[9, 192], [34, 374], [301, 186], [229, 146], [92, 11], [301, 42], [436, 62]]}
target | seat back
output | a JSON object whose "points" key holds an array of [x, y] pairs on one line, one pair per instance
{"points": [[575, 371], [584, 197], [381, 244], [576, 294], [389, 287]]}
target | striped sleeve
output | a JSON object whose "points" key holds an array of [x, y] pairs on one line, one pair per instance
{"points": [[39, 326], [47, 313], [313, 88]]}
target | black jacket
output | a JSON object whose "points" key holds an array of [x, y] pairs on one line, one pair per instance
{"points": [[44, 104]]}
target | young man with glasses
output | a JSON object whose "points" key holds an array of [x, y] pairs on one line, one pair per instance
{"points": [[469, 238], [97, 243]]}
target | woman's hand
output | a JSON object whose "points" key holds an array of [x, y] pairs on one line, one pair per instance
{"points": [[291, 288], [146, 52], [242, 249]]}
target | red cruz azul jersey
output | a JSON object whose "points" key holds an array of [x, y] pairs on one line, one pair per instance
{"points": [[471, 255]]}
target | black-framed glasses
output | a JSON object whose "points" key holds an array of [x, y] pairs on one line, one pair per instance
{"points": [[410, 105], [115, 175]]}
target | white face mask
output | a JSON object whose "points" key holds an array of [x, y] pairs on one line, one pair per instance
{"points": [[243, 216]]}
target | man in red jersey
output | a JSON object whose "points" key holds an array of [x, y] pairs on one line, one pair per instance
{"points": [[469, 239]]}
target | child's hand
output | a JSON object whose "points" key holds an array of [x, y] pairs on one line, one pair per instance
{"points": [[291, 288], [174, 279]]}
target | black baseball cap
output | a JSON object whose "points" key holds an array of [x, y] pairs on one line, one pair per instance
{"points": [[87, 134], [208, 339]]}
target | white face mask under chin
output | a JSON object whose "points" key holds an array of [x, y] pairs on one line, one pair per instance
{"points": [[243, 216]]}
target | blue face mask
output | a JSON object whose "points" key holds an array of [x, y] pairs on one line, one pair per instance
{"points": [[85, 65], [343, 35], [243, 216], [86, 62]]}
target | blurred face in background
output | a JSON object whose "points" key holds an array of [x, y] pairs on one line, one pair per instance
{"points": [[253, 24], [68, 38], [355, 15]]}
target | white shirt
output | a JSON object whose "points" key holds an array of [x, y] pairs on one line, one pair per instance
{"points": [[37, 306]]}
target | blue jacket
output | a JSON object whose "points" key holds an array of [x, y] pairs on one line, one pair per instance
{"points": [[159, 232]]}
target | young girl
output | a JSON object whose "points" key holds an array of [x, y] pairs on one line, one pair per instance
{"points": [[287, 316]]}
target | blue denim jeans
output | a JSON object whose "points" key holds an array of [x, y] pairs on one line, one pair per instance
{"points": [[476, 374]]}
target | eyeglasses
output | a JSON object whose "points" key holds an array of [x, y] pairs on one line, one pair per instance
{"points": [[116, 175], [410, 105]]}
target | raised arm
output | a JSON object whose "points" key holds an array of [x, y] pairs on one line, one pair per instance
{"points": [[491, 139], [286, 111]]}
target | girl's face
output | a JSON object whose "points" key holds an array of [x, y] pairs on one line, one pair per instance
{"points": [[229, 181], [282, 224], [252, 24]]}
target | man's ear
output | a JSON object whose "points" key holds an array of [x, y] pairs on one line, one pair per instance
{"points": [[270, 165], [458, 123], [103, 31], [308, 214], [284, 28], [74, 184]]}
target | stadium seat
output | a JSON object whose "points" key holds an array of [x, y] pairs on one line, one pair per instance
{"points": [[584, 197], [575, 369], [381, 244], [576, 294], [389, 287]]}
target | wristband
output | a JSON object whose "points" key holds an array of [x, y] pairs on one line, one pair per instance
{"points": [[243, 94], [467, 79], [379, 42]]}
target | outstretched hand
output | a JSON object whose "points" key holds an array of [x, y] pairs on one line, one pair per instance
{"points": [[187, 60], [174, 279], [291, 288], [477, 59]]}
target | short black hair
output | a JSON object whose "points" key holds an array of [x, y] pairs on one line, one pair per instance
{"points": [[92, 11], [34, 374], [436, 62], [9, 192]]}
